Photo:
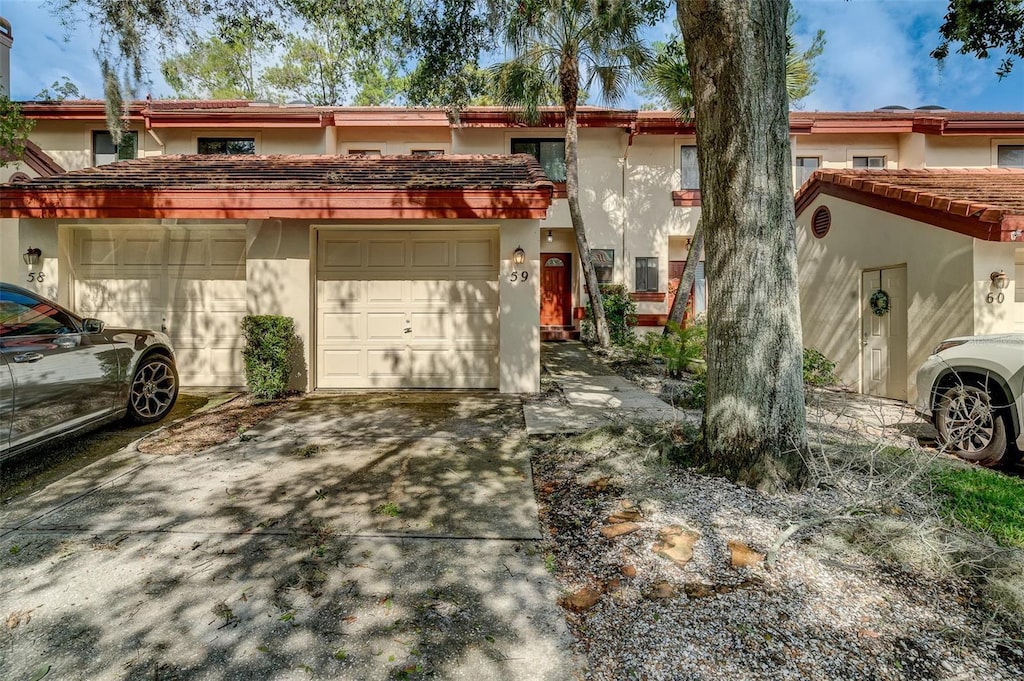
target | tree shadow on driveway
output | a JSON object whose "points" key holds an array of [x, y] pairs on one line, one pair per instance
{"points": [[351, 536]]}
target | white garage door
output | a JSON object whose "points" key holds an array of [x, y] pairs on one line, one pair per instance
{"points": [[407, 309], [188, 281]]}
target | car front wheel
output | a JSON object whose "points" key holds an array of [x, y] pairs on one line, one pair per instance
{"points": [[970, 427], [153, 391]]}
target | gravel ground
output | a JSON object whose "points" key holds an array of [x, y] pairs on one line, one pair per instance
{"points": [[825, 609]]}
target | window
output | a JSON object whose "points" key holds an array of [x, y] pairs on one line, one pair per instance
{"points": [[227, 145], [550, 153], [427, 152], [1010, 156], [869, 161], [363, 152], [104, 150], [22, 315], [604, 264], [805, 167], [646, 274], [689, 173]]}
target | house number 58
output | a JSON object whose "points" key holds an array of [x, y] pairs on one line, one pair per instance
{"points": [[36, 276], [519, 276]]}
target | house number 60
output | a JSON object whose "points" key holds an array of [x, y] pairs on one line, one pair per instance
{"points": [[517, 276]]}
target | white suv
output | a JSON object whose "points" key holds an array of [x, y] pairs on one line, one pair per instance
{"points": [[972, 389]]}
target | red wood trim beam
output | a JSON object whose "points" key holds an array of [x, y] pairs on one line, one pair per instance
{"points": [[235, 120], [298, 204], [1008, 128], [686, 197], [651, 319], [383, 118], [648, 296]]}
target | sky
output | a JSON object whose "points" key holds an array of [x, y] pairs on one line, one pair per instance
{"points": [[876, 54]]}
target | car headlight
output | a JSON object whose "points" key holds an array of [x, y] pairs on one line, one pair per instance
{"points": [[946, 345]]}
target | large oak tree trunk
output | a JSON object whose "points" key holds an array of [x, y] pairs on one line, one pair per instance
{"points": [[675, 315], [754, 422]]}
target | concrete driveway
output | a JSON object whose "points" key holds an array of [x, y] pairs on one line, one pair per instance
{"points": [[349, 537]]}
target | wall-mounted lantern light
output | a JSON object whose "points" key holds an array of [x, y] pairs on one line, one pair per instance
{"points": [[999, 280], [519, 255], [31, 258], [551, 237]]}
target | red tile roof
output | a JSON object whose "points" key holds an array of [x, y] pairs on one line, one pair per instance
{"points": [[339, 187], [337, 173], [985, 203]]}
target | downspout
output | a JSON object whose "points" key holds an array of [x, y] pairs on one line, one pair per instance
{"points": [[152, 133], [625, 211]]}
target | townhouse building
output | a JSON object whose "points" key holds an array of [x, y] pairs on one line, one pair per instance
{"points": [[413, 250]]}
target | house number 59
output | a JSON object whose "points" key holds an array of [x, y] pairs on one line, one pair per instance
{"points": [[519, 276], [36, 276]]}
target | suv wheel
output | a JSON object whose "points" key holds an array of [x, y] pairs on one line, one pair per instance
{"points": [[970, 427]]}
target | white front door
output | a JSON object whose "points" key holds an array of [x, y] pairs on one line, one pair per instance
{"points": [[407, 309], [186, 281], [884, 334]]}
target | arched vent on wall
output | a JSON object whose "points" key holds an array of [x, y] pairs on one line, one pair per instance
{"points": [[821, 222]]}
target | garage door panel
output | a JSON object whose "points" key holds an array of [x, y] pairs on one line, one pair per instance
{"points": [[479, 327], [188, 251], [96, 251], [386, 253], [387, 363], [432, 291], [427, 326], [344, 364], [385, 291], [482, 293], [340, 295], [430, 253], [227, 252], [389, 326], [339, 253], [343, 326], [475, 252]]}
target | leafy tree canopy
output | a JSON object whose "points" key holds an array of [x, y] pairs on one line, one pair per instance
{"points": [[59, 91], [14, 130], [980, 26]]}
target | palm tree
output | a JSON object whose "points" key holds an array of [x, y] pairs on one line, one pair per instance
{"points": [[576, 44], [668, 78]]}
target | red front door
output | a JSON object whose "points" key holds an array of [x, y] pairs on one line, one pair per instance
{"points": [[556, 289]]}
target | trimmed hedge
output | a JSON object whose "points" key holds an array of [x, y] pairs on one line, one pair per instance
{"points": [[269, 341]]}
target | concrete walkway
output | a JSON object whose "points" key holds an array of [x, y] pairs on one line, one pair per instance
{"points": [[581, 392], [348, 537]]}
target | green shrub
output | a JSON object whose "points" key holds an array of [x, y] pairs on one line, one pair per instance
{"points": [[696, 394], [619, 310], [269, 341], [818, 369], [684, 349]]}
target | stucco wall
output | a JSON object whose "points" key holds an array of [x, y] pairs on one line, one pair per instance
{"points": [[995, 316], [268, 140], [837, 151], [69, 143], [940, 271], [959, 152]]}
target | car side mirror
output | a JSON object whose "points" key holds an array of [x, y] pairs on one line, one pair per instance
{"points": [[93, 325]]}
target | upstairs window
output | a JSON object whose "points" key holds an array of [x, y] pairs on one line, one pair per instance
{"points": [[549, 152], [805, 167], [363, 152], [869, 161], [1010, 155], [227, 145], [427, 152], [646, 274], [104, 150], [689, 173]]}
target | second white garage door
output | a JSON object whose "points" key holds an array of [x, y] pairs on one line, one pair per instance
{"points": [[188, 281], [407, 309]]}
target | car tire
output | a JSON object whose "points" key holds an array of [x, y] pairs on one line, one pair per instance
{"points": [[153, 390], [969, 426]]}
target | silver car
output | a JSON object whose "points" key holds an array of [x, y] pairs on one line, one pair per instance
{"points": [[61, 374], [972, 389]]}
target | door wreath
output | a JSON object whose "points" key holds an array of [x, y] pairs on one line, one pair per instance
{"points": [[879, 302]]}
